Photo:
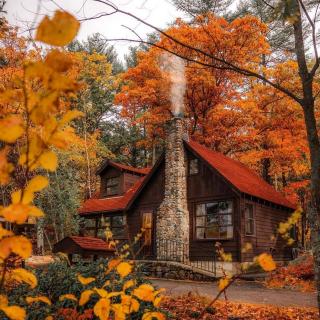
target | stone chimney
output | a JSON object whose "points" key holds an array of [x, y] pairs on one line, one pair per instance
{"points": [[172, 230]]}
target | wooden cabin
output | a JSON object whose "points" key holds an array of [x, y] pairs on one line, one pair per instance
{"points": [[193, 197]]}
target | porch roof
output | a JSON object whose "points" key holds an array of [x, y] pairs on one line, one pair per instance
{"points": [[111, 204]]}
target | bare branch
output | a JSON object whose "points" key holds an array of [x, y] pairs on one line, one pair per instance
{"points": [[268, 4], [314, 38], [134, 32], [225, 65]]}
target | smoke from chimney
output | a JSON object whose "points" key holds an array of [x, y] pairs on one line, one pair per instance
{"points": [[175, 68]]}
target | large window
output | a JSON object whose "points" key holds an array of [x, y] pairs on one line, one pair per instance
{"points": [[214, 220], [115, 223], [113, 186], [249, 219]]}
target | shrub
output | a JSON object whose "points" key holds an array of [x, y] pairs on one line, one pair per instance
{"points": [[59, 278]]}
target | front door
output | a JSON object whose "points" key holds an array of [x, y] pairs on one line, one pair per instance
{"points": [[147, 234]]}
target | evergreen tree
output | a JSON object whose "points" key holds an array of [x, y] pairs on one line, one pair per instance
{"points": [[199, 7]]}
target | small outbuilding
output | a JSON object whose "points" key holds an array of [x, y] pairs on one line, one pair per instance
{"points": [[85, 246]]}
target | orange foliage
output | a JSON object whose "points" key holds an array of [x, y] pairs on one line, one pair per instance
{"points": [[242, 118], [189, 307], [295, 276]]}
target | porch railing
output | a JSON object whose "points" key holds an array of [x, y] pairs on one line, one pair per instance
{"points": [[177, 251]]}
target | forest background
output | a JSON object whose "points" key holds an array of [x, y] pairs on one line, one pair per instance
{"points": [[125, 105]]}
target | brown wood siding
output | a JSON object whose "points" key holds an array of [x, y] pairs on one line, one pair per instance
{"points": [[129, 180], [267, 219], [203, 187], [148, 200]]}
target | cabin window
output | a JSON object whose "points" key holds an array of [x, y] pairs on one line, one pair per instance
{"points": [[113, 186], [249, 219], [115, 223], [193, 166], [90, 227], [214, 220]]}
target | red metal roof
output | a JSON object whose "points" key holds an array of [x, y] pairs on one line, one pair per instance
{"points": [[244, 179], [90, 243], [241, 177], [117, 203], [121, 166]]}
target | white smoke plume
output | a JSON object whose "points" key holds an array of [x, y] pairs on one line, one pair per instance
{"points": [[175, 68]]}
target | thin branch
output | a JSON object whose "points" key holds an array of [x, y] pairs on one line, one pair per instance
{"points": [[268, 4], [225, 64], [314, 38], [134, 32]]}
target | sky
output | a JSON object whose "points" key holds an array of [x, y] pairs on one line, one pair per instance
{"points": [[26, 14]]}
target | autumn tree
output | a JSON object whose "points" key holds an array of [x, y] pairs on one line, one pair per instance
{"points": [[144, 94], [292, 12]]}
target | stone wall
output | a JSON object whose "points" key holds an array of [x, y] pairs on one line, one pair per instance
{"points": [[172, 225], [171, 270]]}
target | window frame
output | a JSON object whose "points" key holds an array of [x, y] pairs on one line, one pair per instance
{"points": [[117, 185], [111, 227], [232, 214], [189, 166], [253, 219]]}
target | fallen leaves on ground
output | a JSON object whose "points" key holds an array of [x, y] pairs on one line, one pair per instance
{"points": [[189, 307], [298, 275]]}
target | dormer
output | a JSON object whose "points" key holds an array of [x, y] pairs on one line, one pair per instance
{"points": [[117, 178]]}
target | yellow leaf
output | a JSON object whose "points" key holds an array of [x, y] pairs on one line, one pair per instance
{"points": [[68, 296], [15, 213], [266, 261], [17, 197], [101, 292], [19, 245], [37, 183], [124, 268], [3, 300], [157, 301], [85, 297], [102, 309], [70, 115], [119, 313], [43, 299], [84, 280], [49, 318], [59, 31], [113, 263], [223, 283], [129, 284], [35, 212], [107, 283], [58, 61], [22, 275], [144, 292], [14, 312], [4, 232], [247, 247], [49, 161], [129, 304], [11, 128], [153, 315]]}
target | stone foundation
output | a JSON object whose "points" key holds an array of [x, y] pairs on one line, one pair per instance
{"points": [[172, 270]]}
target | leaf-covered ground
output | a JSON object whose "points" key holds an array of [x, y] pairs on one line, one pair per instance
{"points": [[189, 307]]}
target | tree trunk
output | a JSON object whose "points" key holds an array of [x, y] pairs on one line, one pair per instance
{"points": [[307, 103], [313, 212], [266, 170]]}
